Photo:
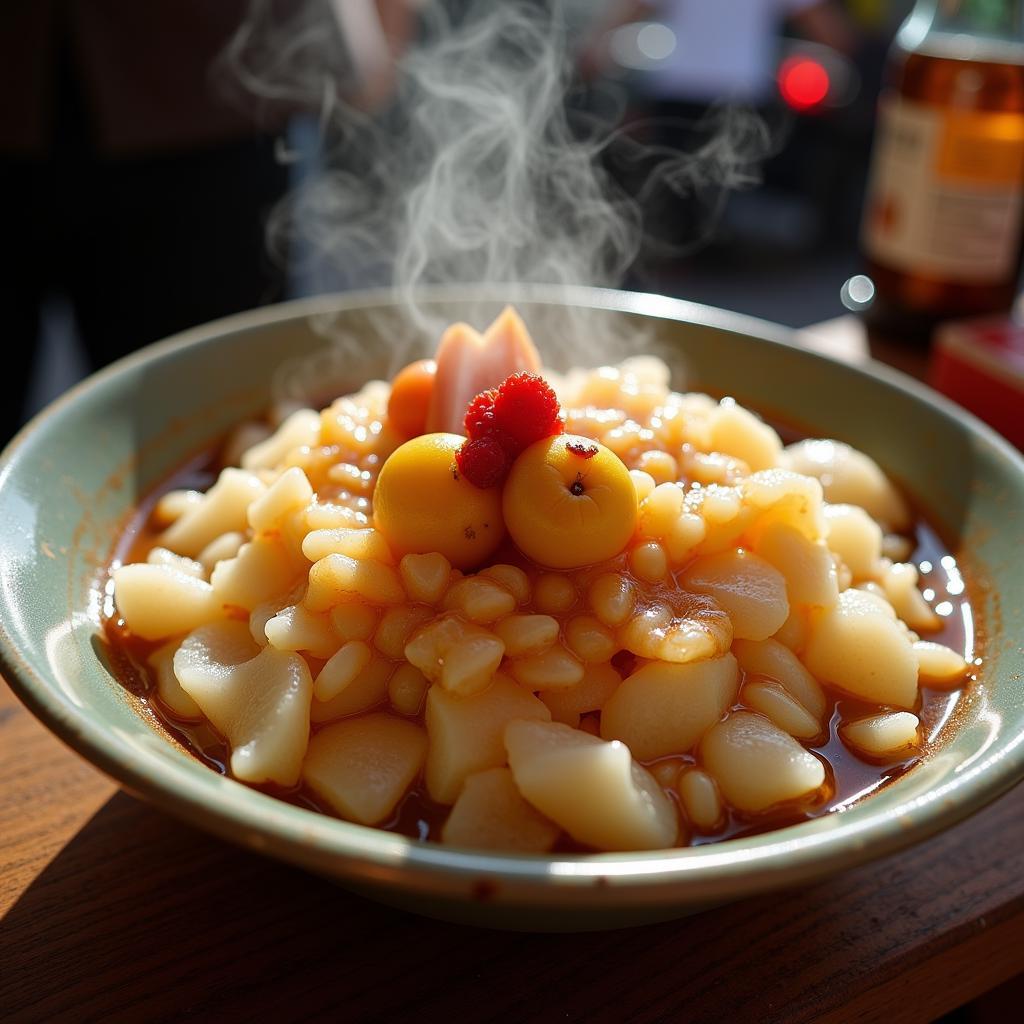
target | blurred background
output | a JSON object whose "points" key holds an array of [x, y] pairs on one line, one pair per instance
{"points": [[137, 182]]}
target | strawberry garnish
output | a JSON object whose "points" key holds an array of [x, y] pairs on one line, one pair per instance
{"points": [[526, 409], [483, 462], [479, 421], [501, 422]]}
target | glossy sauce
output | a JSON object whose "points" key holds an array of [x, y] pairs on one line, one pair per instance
{"points": [[849, 777]]}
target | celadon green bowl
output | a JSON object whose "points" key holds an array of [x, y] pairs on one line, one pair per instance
{"points": [[70, 478]]}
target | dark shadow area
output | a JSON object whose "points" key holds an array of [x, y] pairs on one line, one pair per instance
{"points": [[142, 918]]}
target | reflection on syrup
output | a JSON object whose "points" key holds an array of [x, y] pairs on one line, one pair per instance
{"points": [[849, 777]]}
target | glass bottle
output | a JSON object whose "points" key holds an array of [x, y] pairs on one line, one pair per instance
{"points": [[942, 228]]}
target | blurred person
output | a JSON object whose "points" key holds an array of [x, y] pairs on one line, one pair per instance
{"points": [[129, 183], [125, 184]]}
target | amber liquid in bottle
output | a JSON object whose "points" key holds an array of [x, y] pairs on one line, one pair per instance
{"points": [[942, 224]]}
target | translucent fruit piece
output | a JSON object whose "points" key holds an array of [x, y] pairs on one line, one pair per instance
{"points": [[363, 766], [756, 764], [591, 788], [491, 815], [157, 602], [751, 590], [223, 509], [665, 708], [257, 699], [466, 733], [882, 735], [860, 647]]}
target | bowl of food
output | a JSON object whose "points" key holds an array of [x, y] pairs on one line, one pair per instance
{"points": [[525, 647]]}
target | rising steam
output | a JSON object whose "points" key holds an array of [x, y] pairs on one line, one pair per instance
{"points": [[479, 170]]}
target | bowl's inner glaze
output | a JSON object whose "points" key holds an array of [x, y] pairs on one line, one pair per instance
{"points": [[70, 483]]}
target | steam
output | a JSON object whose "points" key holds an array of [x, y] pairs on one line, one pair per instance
{"points": [[479, 170]]}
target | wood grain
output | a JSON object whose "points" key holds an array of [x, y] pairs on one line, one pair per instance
{"points": [[110, 910]]}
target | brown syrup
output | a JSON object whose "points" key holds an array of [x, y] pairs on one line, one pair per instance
{"points": [[849, 777]]}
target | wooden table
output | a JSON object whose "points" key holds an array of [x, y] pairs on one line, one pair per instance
{"points": [[109, 910]]}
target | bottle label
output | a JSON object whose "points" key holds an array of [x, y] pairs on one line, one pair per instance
{"points": [[946, 196]]}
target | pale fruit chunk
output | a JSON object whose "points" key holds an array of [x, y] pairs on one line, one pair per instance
{"points": [[860, 648], [173, 505], [366, 691], [295, 628], [552, 669], [353, 621], [466, 733], [856, 538], [258, 700], [751, 590], [338, 578], [490, 814], [782, 496], [480, 599], [527, 634], [363, 766], [301, 428], [590, 694], [157, 602], [261, 570], [167, 686], [701, 800], [397, 625], [882, 735], [512, 578], [223, 509], [592, 788], [776, 661], [899, 582], [290, 492], [407, 690], [807, 565], [665, 708], [227, 545], [356, 542], [778, 705], [425, 577], [341, 670], [756, 764], [794, 631], [189, 566], [939, 665], [461, 656], [736, 431], [589, 639], [850, 477]]}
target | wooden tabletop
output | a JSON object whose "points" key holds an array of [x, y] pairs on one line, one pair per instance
{"points": [[110, 910]]}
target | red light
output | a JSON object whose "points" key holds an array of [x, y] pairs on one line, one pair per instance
{"points": [[803, 82]]}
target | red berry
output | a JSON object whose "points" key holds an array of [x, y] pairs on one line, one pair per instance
{"points": [[526, 409], [479, 421], [483, 462]]}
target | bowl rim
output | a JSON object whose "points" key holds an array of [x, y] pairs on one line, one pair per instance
{"points": [[242, 814]]}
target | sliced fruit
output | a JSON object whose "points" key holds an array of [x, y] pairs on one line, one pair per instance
{"points": [[665, 708], [258, 700], [490, 814], [466, 733], [860, 647], [756, 764], [363, 766], [592, 789]]}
